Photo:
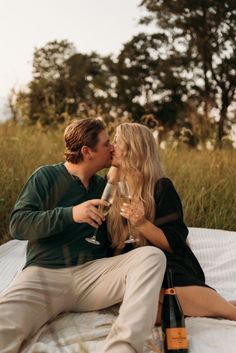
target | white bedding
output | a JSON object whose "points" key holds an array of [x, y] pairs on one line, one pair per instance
{"points": [[81, 332]]}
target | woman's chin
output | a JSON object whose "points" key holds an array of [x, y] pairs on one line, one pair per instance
{"points": [[115, 163]]}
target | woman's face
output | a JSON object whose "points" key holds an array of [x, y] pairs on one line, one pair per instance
{"points": [[118, 151]]}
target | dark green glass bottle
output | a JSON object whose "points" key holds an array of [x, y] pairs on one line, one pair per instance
{"points": [[173, 323]]}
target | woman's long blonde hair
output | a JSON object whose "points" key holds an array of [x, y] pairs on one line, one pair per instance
{"points": [[141, 167]]}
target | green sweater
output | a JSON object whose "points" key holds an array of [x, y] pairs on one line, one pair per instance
{"points": [[43, 216]]}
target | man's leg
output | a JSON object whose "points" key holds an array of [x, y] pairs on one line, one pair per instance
{"points": [[135, 279], [35, 296]]}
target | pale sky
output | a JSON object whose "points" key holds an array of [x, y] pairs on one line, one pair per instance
{"points": [[91, 25]]}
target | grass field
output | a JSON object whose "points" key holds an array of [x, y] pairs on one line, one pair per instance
{"points": [[205, 180]]}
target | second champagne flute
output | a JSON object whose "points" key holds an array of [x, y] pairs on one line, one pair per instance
{"points": [[125, 197], [107, 195]]}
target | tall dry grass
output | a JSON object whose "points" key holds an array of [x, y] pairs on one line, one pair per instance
{"points": [[23, 149], [205, 180]]}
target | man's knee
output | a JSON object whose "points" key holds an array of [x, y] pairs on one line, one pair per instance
{"points": [[152, 255]]}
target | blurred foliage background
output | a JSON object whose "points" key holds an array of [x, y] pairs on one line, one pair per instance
{"points": [[182, 75]]}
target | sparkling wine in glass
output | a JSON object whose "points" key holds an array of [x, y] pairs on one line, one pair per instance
{"points": [[107, 195], [125, 197]]}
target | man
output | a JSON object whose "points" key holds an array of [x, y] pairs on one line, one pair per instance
{"points": [[55, 212]]}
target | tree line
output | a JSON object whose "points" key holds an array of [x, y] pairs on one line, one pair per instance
{"points": [[180, 77]]}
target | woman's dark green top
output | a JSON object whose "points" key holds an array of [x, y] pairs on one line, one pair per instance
{"points": [[185, 267]]}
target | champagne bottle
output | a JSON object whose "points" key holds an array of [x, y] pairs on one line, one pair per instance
{"points": [[173, 323]]}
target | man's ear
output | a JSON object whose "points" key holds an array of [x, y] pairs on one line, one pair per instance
{"points": [[86, 152]]}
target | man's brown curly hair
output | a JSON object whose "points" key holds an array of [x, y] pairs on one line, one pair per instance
{"points": [[81, 133]]}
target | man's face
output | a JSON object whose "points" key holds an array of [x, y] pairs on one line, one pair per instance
{"points": [[103, 151]]}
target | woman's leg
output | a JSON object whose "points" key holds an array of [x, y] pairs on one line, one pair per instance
{"points": [[202, 301]]}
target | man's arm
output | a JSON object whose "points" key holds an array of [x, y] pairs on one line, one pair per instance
{"points": [[34, 216]]}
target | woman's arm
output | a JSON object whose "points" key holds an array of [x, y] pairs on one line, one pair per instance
{"points": [[168, 232], [154, 235]]}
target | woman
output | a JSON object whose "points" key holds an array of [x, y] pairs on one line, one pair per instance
{"points": [[156, 217]]}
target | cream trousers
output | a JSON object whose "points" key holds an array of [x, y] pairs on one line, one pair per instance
{"points": [[40, 294]]}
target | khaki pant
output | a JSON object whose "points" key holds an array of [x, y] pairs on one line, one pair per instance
{"points": [[39, 294]]}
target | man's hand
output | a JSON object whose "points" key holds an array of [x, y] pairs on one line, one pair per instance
{"points": [[87, 212]]}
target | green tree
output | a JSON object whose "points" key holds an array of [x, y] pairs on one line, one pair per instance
{"points": [[49, 61], [204, 31], [147, 83], [45, 91], [64, 80], [89, 79]]}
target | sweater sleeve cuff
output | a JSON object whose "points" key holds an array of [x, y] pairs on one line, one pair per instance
{"points": [[67, 215]]}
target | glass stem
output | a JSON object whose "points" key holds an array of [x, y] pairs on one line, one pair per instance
{"points": [[95, 233], [128, 226]]}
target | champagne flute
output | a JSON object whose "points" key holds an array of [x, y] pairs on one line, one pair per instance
{"points": [[125, 197], [107, 195]]}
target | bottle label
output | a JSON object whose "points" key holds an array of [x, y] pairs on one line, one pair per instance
{"points": [[176, 338], [170, 291]]}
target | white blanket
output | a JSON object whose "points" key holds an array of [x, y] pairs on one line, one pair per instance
{"points": [[81, 332]]}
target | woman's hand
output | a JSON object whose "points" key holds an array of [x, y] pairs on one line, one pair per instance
{"points": [[134, 212]]}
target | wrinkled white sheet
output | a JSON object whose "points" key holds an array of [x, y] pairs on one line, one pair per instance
{"points": [[216, 252], [85, 332]]}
